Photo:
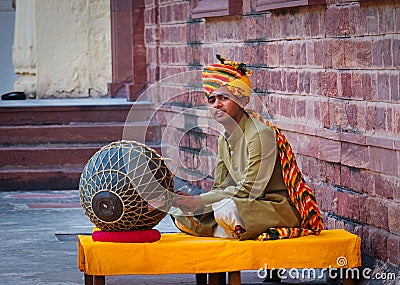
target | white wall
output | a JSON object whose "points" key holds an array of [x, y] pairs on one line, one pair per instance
{"points": [[7, 19], [73, 48]]}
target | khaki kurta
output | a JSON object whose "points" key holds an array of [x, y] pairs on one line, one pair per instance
{"points": [[248, 170]]}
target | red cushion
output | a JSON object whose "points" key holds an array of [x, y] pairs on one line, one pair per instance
{"points": [[130, 236]]}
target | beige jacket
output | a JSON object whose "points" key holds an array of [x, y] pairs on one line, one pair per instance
{"points": [[248, 170]]}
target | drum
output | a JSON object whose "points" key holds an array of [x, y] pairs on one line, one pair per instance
{"points": [[126, 186]]}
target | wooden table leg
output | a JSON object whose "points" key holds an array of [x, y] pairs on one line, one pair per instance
{"points": [[88, 279], [99, 280], [217, 278], [201, 279], [234, 278]]}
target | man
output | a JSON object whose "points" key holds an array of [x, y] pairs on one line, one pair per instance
{"points": [[249, 194]]}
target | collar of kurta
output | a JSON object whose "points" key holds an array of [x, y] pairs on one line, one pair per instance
{"points": [[238, 132]]}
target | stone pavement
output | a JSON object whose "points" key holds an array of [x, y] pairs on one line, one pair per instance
{"points": [[38, 242]]}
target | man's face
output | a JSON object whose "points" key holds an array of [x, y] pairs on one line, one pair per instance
{"points": [[223, 109]]}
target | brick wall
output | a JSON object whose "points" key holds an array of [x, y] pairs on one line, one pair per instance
{"points": [[328, 75]]}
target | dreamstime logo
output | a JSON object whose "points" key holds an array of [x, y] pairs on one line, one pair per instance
{"points": [[332, 272], [341, 261], [187, 126]]}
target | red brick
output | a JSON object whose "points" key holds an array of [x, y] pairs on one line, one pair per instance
{"points": [[396, 20], [383, 87], [396, 121], [149, 16], [356, 86], [372, 20], [329, 84], [326, 197], [358, 25], [272, 55], [358, 180], [275, 80], [290, 54], [292, 81], [358, 53], [362, 114], [184, 141], [346, 84], [309, 167], [354, 155], [376, 212], [337, 22], [393, 217], [251, 30], [149, 3], [378, 239], [337, 113], [288, 107], [313, 112], [389, 120], [386, 16], [366, 244], [356, 113], [318, 53], [328, 150], [394, 88], [302, 53], [351, 206], [383, 161], [374, 87], [310, 53], [376, 119], [207, 165], [261, 27], [396, 52], [393, 249], [165, 13], [337, 49], [325, 114], [311, 24], [333, 173], [366, 85], [382, 53], [300, 108]]}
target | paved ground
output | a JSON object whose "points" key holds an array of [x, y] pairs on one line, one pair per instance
{"points": [[38, 242]]}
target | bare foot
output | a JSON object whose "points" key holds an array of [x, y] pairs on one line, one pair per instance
{"points": [[239, 231]]}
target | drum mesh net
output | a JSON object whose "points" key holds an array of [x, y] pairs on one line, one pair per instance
{"points": [[126, 186]]}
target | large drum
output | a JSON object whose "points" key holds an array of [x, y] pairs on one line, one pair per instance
{"points": [[126, 186]]}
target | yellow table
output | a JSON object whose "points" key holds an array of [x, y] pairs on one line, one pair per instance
{"points": [[331, 249]]}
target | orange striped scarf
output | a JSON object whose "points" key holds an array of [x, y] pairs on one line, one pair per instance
{"points": [[299, 192]]}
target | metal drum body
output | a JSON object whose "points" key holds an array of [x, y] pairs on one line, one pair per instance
{"points": [[126, 186]]}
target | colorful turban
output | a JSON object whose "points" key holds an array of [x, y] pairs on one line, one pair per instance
{"points": [[233, 75]]}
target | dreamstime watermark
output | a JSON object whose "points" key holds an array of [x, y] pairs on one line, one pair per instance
{"points": [[330, 272]]}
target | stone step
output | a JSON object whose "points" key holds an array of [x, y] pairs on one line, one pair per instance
{"points": [[16, 173], [41, 112], [79, 133], [45, 144], [47, 155], [50, 178], [50, 155]]}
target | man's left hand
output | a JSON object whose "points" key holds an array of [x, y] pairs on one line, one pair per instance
{"points": [[187, 202]]}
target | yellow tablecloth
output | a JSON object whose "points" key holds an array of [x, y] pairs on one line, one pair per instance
{"points": [[181, 253]]}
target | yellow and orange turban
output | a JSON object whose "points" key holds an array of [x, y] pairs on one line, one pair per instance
{"points": [[233, 75]]}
